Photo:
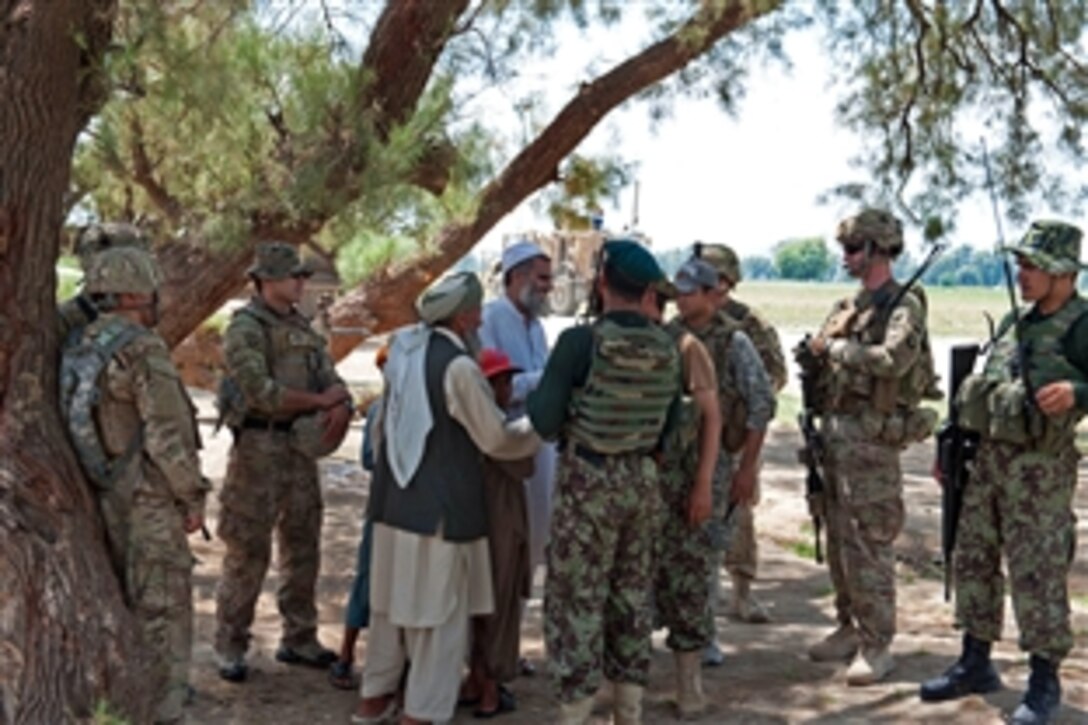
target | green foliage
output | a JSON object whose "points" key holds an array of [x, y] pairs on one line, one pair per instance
{"points": [[758, 267], [368, 252], [69, 277], [104, 714], [585, 184], [803, 259]]}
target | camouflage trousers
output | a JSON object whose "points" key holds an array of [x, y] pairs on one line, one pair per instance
{"points": [[157, 584], [269, 487], [684, 560], [1018, 502], [597, 609], [864, 502]]}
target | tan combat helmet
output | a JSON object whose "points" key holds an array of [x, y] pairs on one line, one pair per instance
{"points": [[99, 237], [121, 270], [878, 226], [722, 258]]}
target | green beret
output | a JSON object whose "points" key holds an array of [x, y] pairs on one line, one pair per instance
{"points": [[632, 261]]}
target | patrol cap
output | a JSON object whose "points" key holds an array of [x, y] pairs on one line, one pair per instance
{"points": [[519, 252], [452, 294], [723, 258], [121, 270], [695, 275], [878, 226], [277, 260], [1052, 246], [632, 261], [95, 238], [496, 362]]}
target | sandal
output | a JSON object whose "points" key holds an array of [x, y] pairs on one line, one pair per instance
{"points": [[342, 676], [507, 703]]}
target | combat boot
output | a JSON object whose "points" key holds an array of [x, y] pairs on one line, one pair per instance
{"points": [[627, 705], [690, 701], [310, 654], [839, 646], [232, 668], [745, 607], [871, 665], [575, 713], [1044, 696], [973, 673]]}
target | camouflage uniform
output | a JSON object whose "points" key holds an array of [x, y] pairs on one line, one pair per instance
{"points": [[144, 510], [270, 485], [877, 369], [606, 390]]}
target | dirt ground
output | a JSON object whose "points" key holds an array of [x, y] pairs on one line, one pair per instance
{"points": [[767, 677]]}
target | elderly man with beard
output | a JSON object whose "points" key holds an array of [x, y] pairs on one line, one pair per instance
{"points": [[430, 569], [511, 324]]}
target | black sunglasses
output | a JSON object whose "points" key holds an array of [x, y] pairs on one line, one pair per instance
{"points": [[853, 248]]}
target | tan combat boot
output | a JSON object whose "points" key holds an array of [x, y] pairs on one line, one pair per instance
{"points": [[575, 713], [627, 706], [745, 607], [840, 645], [871, 665], [690, 701]]}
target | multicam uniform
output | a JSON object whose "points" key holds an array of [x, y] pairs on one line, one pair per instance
{"points": [[269, 484], [606, 390], [685, 556], [1019, 495], [877, 370], [142, 396]]}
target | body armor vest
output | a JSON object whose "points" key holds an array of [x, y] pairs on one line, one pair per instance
{"points": [[717, 337], [996, 402], [633, 377]]}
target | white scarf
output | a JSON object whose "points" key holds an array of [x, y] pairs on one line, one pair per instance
{"points": [[408, 418]]}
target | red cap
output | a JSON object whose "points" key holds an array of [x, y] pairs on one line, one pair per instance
{"points": [[496, 362]]}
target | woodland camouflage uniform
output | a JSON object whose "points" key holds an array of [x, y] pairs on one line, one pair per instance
{"points": [[144, 510]]}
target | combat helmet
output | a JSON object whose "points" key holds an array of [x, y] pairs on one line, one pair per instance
{"points": [[722, 258], [120, 270], [96, 238], [878, 226]]}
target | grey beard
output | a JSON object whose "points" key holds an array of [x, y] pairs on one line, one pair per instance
{"points": [[472, 343], [535, 304]]}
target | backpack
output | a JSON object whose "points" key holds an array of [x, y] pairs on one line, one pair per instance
{"points": [[83, 360]]}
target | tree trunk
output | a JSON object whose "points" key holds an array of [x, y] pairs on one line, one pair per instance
{"points": [[67, 643]]}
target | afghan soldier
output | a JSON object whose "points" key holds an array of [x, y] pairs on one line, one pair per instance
{"points": [[685, 556], [285, 405], [741, 551], [80, 311], [606, 392], [872, 365], [143, 460], [746, 404], [1024, 406]]}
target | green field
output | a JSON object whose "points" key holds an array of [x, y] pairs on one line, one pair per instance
{"points": [[802, 306]]}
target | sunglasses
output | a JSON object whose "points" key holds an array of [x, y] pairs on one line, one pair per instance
{"points": [[853, 248]]}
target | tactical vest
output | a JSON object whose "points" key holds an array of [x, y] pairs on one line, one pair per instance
{"points": [[765, 339], [83, 361], [995, 403], [717, 338], [293, 353], [633, 377]]}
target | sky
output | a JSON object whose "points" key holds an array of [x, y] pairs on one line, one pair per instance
{"points": [[748, 181]]}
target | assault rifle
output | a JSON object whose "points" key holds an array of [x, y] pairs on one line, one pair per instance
{"points": [[956, 447], [812, 455]]}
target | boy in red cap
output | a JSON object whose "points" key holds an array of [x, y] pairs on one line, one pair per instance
{"points": [[495, 637]]}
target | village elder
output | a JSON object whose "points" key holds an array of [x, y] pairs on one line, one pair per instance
{"points": [[430, 569]]}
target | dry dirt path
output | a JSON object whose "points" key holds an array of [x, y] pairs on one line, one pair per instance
{"points": [[766, 679]]}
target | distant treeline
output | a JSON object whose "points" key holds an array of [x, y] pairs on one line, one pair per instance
{"points": [[813, 260]]}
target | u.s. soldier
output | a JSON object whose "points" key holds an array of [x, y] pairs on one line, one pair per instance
{"points": [[873, 366], [606, 392], [1024, 406], [79, 310], [147, 431], [285, 405]]}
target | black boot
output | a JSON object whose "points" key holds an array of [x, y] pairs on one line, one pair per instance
{"points": [[1044, 696], [972, 673]]}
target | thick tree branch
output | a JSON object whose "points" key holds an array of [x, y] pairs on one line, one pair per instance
{"points": [[383, 302], [143, 173]]}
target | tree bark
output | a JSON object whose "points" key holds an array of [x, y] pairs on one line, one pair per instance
{"points": [[67, 643], [381, 303]]}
